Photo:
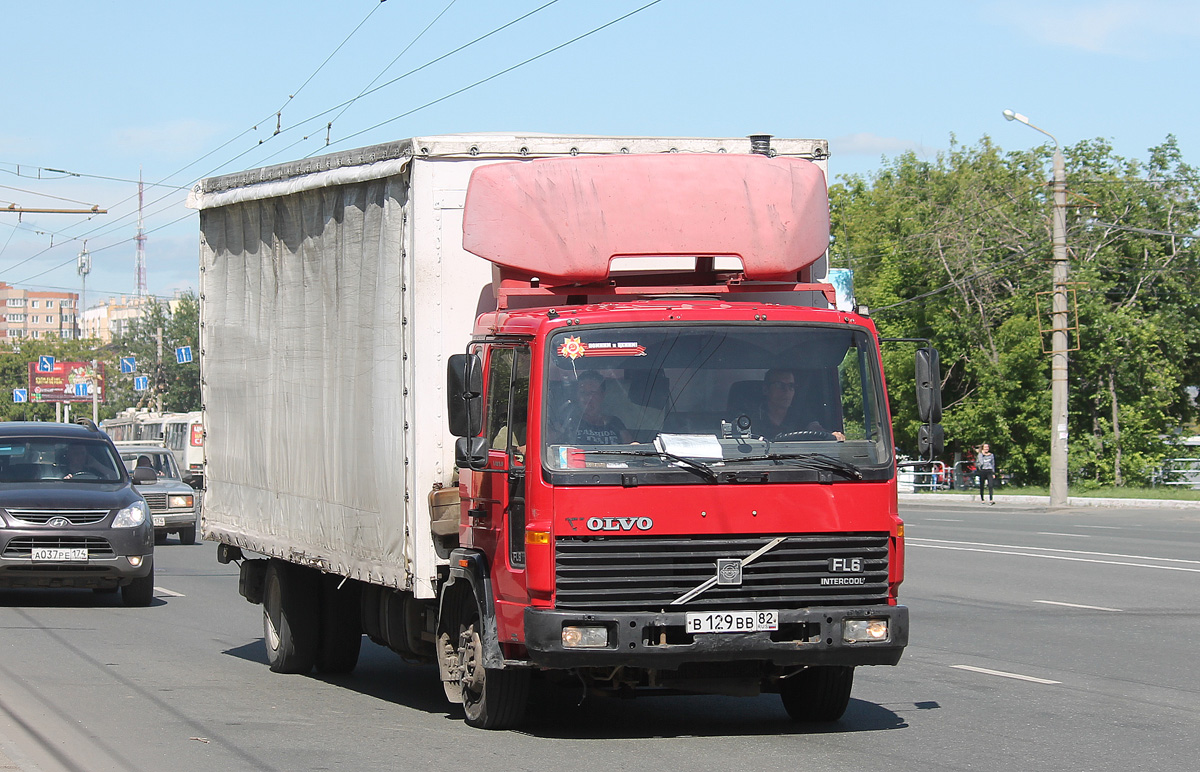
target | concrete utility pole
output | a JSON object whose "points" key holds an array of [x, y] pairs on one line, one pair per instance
{"points": [[1058, 325]]}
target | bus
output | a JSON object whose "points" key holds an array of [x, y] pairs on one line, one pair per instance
{"points": [[183, 433]]}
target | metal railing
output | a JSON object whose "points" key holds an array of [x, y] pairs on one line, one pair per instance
{"points": [[913, 476], [1184, 472]]}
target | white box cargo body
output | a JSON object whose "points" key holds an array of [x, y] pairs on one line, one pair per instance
{"points": [[332, 290]]}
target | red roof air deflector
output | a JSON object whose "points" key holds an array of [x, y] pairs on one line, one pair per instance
{"points": [[564, 219]]}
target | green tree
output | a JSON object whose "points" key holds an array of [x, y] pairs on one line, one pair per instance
{"points": [[177, 384], [956, 249]]}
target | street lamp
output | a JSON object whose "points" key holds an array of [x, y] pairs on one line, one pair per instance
{"points": [[1059, 343]]}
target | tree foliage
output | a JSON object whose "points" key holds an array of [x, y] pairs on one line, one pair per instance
{"points": [[957, 249]]}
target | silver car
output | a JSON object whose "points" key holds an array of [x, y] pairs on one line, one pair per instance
{"points": [[173, 503]]}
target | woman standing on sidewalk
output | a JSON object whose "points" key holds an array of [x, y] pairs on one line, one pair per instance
{"points": [[985, 465]]}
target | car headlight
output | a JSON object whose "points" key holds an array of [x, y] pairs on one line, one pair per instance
{"points": [[179, 500], [132, 516]]}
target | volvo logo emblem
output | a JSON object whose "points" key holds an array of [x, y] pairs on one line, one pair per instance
{"points": [[58, 522], [619, 523], [729, 572]]}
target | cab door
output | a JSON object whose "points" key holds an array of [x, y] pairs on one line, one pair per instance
{"points": [[497, 526]]}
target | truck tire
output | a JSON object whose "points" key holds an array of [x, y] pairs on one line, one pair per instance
{"points": [[290, 621], [491, 698], [341, 625], [140, 591], [817, 694]]}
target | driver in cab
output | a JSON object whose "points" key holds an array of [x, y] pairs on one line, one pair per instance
{"points": [[773, 417]]}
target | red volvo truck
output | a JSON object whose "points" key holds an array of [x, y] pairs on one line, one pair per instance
{"points": [[543, 406]]}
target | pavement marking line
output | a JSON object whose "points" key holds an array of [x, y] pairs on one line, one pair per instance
{"points": [[934, 542], [1076, 605], [1104, 527], [940, 520], [1053, 533], [169, 593], [1003, 674], [1060, 557]]}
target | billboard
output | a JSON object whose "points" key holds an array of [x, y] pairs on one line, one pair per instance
{"points": [[65, 382]]}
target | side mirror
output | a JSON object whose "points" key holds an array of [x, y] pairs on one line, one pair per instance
{"points": [[471, 452], [931, 437], [464, 394], [144, 476], [929, 386]]}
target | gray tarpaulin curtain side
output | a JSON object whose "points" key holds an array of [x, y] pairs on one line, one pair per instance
{"points": [[302, 349]]}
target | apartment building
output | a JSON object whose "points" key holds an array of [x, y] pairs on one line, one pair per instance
{"points": [[32, 314]]}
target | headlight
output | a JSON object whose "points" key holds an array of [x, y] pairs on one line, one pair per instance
{"points": [[178, 501], [865, 630], [584, 637], [131, 516]]}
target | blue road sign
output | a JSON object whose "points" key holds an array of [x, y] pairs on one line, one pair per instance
{"points": [[128, 364], [20, 395], [141, 383], [83, 389], [45, 364], [183, 354]]}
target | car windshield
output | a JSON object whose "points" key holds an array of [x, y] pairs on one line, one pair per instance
{"points": [[699, 400], [36, 459], [163, 464]]}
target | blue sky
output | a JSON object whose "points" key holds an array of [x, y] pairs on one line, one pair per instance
{"points": [[177, 89]]}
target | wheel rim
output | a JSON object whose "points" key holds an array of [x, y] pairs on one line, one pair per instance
{"points": [[272, 603], [470, 657]]}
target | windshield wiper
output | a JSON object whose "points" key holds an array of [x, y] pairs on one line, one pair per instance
{"points": [[817, 461], [701, 469]]}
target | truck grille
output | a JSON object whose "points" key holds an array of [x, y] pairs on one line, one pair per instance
{"points": [[23, 546], [43, 516], [646, 573]]}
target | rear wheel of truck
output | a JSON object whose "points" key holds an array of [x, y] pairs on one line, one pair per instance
{"points": [[341, 625], [290, 622], [491, 698], [817, 694]]}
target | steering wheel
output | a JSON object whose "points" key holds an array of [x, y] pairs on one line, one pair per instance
{"points": [[83, 474], [806, 435]]}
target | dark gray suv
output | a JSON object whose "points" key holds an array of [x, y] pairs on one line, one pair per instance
{"points": [[69, 514]]}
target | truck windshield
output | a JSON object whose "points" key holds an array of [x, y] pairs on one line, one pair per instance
{"points": [[707, 404]]}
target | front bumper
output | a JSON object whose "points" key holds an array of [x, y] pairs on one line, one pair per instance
{"points": [[108, 563], [658, 640], [172, 521]]}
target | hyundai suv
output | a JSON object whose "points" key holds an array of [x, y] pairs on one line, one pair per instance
{"points": [[69, 514]]}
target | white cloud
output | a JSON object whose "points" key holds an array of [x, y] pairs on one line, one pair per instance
{"points": [[875, 145], [1130, 28]]}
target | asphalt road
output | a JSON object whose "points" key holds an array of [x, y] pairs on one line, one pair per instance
{"points": [[1040, 640]]}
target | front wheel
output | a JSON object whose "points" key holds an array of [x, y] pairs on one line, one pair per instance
{"points": [[492, 698], [140, 591], [817, 694], [188, 535]]}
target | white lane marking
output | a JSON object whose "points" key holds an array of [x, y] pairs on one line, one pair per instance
{"points": [[1103, 527], [1003, 674], [999, 549], [940, 520], [1062, 557], [169, 593], [1052, 533], [1076, 605]]}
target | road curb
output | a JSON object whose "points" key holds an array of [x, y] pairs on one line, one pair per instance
{"points": [[1042, 502]]}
